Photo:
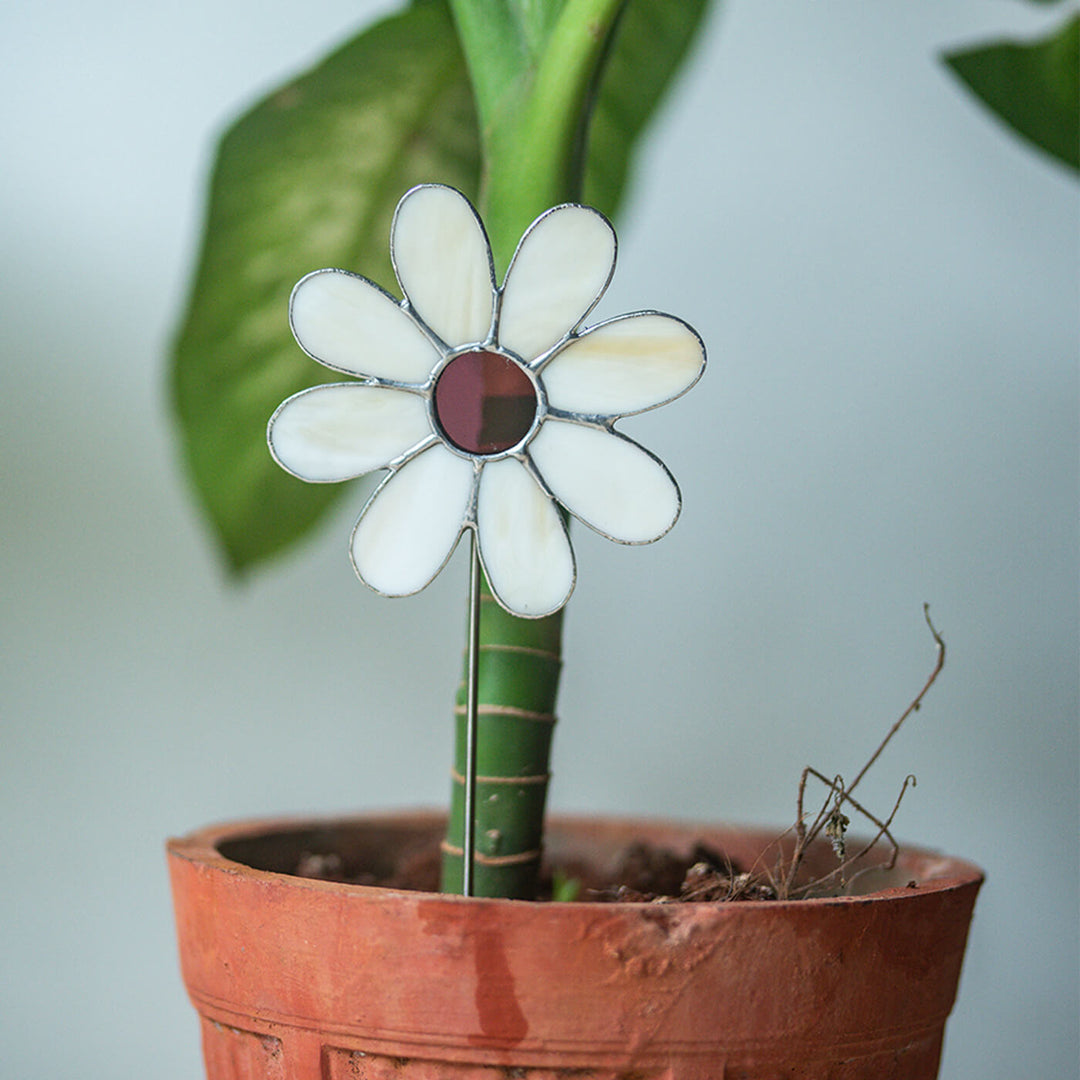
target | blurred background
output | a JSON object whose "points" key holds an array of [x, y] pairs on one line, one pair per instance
{"points": [[887, 284]]}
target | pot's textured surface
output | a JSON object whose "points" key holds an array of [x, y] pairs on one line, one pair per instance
{"points": [[297, 979]]}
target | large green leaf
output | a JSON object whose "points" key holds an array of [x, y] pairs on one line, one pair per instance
{"points": [[308, 178], [1033, 87], [651, 42]]}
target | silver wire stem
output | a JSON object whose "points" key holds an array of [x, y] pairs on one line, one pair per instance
{"points": [[468, 840]]}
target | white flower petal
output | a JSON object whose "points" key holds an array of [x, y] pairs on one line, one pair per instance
{"points": [[410, 525], [343, 430], [561, 268], [624, 366], [607, 481], [351, 325], [523, 542], [443, 263]]}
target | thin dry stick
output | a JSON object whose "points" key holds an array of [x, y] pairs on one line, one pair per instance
{"points": [[909, 781], [883, 831], [838, 794], [804, 836], [915, 705], [782, 876]]}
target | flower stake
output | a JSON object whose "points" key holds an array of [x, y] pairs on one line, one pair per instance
{"points": [[492, 410]]}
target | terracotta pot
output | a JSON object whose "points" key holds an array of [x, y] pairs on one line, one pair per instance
{"points": [[297, 979]]}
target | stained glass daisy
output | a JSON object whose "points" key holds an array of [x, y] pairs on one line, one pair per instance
{"points": [[488, 407]]}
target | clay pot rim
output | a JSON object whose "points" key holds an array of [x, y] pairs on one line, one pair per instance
{"points": [[940, 872]]}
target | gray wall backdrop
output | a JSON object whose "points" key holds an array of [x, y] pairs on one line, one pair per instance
{"points": [[887, 285]]}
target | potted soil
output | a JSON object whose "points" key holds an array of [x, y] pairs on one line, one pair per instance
{"points": [[482, 944]]}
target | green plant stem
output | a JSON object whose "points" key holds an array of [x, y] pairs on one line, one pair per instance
{"points": [[534, 105], [534, 95], [517, 682]]}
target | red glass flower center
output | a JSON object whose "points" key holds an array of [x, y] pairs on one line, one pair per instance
{"points": [[485, 402]]}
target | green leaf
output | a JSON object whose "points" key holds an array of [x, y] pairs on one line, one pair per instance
{"points": [[308, 178], [651, 43], [1033, 87], [564, 889]]}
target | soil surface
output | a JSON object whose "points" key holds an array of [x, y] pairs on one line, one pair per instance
{"points": [[643, 872]]}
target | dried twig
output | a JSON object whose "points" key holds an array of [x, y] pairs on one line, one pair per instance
{"points": [[916, 703], [847, 862], [831, 818]]}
